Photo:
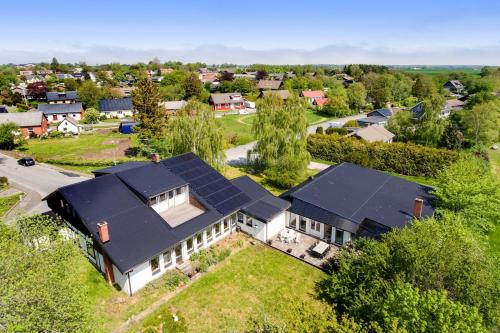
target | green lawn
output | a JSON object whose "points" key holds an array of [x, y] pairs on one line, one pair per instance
{"points": [[238, 128], [254, 281], [439, 71], [7, 202], [494, 156]]}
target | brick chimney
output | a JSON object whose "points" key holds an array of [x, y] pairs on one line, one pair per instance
{"points": [[155, 158], [103, 231], [417, 208]]}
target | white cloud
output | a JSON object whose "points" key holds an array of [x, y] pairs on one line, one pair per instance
{"points": [[216, 54]]}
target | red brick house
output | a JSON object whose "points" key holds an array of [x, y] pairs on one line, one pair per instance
{"points": [[30, 123], [227, 102]]}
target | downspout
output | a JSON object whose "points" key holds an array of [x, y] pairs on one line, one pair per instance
{"points": [[129, 285]]}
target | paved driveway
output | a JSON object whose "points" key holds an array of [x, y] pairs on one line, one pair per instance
{"points": [[38, 180]]}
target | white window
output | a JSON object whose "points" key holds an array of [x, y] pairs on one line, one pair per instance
{"points": [[209, 234], [226, 225], [155, 265], [179, 190], [217, 230], [315, 226], [249, 222], [163, 197], [240, 217], [167, 258], [189, 245], [199, 240]]}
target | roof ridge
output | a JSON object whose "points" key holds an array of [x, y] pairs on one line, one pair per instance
{"points": [[372, 195]]}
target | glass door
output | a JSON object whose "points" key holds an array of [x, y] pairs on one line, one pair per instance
{"points": [[328, 233], [302, 224], [178, 254], [339, 236]]}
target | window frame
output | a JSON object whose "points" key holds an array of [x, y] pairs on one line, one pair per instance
{"points": [[167, 263], [156, 270]]}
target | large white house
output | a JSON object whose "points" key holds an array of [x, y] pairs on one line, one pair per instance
{"points": [[116, 107], [138, 220]]}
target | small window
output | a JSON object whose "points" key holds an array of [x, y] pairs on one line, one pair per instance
{"points": [[154, 201], [155, 265], [170, 194], [293, 223], [217, 230], [233, 220], [167, 259], [90, 249], [179, 190], [163, 197], [249, 222], [226, 225], [315, 226]]}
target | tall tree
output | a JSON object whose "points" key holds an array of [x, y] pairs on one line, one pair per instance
{"points": [[482, 123], [423, 87], [281, 133], [401, 125], [146, 99], [452, 138], [195, 129], [89, 94], [430, 126], [54, 65], [7, 136], [192, 86], [356, 96]]}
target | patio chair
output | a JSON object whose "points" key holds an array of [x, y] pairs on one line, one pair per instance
{"points": [[297, 239]]}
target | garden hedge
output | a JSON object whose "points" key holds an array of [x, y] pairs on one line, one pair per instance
{"points": [[404, 158]]}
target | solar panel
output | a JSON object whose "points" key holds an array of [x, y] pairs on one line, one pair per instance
{"points": [[222, 195], [232, 204], [202, 181], [213, 187]]}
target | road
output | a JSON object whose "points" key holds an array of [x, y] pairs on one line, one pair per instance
{"points": [[36, 181], [238, 154]]}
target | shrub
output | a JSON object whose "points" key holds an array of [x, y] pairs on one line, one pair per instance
{"points": [[102, 117], [340, 131], [205, 258], [4, 182], [55, 134], [8, 136], [91, 116], [406, 159], [351, 123], [319, 130], [172, 279]]}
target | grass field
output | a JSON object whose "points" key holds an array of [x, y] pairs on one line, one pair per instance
{"points": [[254, 281], [238, 128], [8, 202], [494, 156], [439, 71]]}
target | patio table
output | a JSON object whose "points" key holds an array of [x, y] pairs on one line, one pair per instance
{"points": [[320, 248]]}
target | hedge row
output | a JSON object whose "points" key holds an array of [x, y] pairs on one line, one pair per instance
{"points": [[404, 158], [84, 163]]}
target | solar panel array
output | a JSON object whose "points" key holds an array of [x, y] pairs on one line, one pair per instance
{"points": [[207, 183]]}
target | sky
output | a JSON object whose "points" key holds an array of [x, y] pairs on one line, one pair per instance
{"points": [[423, 32]]}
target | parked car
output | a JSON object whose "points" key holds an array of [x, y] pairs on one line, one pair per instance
{"points": [[26, 161], [335, 124]]}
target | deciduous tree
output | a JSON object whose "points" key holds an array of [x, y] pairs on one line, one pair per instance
{"points": [[146, 99], [356, 96], [482, 123]]}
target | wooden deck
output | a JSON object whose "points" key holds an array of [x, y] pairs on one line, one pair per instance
{"points": [[302, 249]]}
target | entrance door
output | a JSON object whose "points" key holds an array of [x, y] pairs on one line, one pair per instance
{"points": [[339, 236], [178, 254], [328, 233]]}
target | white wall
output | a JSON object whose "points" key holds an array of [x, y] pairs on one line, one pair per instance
{"points": [[117, 114], [67, 127], [176, 200], [258, 229], [276, 225]]}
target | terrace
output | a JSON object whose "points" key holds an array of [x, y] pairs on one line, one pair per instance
{"points": [[302, 249], [177, 215]]}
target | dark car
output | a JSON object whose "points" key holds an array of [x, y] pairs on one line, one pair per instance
{"points": [[26, 161]]}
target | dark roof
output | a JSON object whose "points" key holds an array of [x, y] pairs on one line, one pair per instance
{"points": [[264, 206], [418, 110], [137, 232], [61, 96], [207, 183], [381, 113], [347, 193], [150, 180], [119, 167], [373, 120], [48, 109], [115, 104]]}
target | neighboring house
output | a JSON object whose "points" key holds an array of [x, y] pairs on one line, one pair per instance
{"points": [[373, 133], [25, 73], [30, 123], [454, 87], [269, 84], [208, 77], [346, 79], [417, 110], [375, 120], [172, 107], [311, 95], [3, 109], [125, 91], [283, 94], [450, 106], [69, 125], [320, 102], [57, 112], [245, 76], [387, 113], [165, 71], [44, 72], [116, 107], [20, 89], [226, 102], [346, 201], [62, 76], [33, 78], [138, 220], [63, 97]]}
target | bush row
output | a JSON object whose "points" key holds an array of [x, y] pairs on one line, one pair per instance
{"points": [[91, 163], [404, 158], [204, 259]]}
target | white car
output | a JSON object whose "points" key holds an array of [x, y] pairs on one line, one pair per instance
{"points": [[335, 124]]}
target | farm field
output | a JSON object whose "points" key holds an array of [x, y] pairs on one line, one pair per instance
{"points": [[439, 71]]}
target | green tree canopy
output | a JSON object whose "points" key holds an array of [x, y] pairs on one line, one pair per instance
{"points": [[146, 99], [482, 123], [192, 86], [401, 125], [430, 126], [91, 116], [42, 289], [423, 87], [356, 96], [281, 133], [8, 136], [195, 129], [89, 94]]}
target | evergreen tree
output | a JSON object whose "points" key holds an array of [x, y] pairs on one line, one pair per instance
{"points": [[452, 138], [192, 86], [146, 99]]}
